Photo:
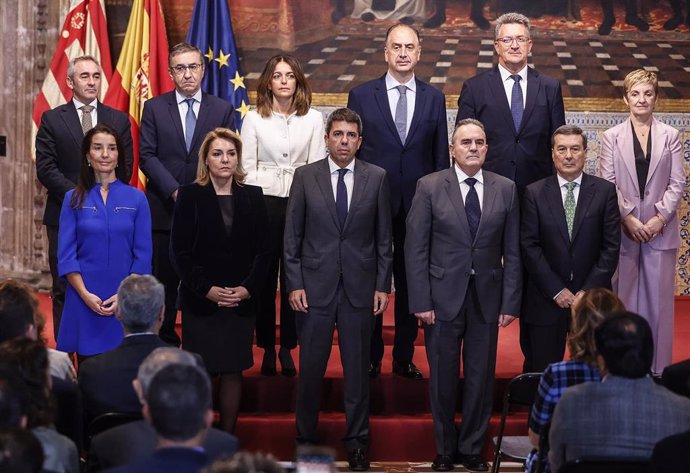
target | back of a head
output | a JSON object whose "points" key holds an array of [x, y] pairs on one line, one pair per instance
{"points": [[588, 313], [625, 343], [159, 359], [178, 401], [14, 397], [245, 462], [17, 309], [140, 299], [20, 451]]}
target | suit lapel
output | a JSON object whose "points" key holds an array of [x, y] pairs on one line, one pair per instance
{"points": [[381, 96], [71, 118], [488, 200], [627, 151], [204, 116], [419, 106], [361, 176], [658, 137], [499, 93], [175, 117], [455, 198], [533, 86], [323, 181], [212, 208], [584, 200], [554, 202]]}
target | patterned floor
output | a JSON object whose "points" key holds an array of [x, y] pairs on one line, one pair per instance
{"points": [[588, 65]]}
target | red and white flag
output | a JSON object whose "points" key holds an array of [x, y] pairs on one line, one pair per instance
{"points": [[84, 33]]}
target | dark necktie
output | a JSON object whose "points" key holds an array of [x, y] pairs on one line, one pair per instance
{"points": [[472, 209], [569, 206], [341, 197], [190, 123], [86, 122], [516, 105], [401, 113]]}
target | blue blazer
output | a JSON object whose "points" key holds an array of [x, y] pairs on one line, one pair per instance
{"points": [[163, 153], [425, 149], [167, 460], [522, 155]]}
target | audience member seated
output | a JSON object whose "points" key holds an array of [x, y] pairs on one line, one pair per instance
{"points": [[588, 312], [676, 377], [20, 317], [105, 380], [30, 359], [20, 452], [245, 462], [178, 405], [672, 454], [135, 441], [627, 413]]}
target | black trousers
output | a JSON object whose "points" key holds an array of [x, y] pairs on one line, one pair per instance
{"points": [[543, 344], [57, 291], [165, 273], [315, 330], [266, 318], [405, 323]]}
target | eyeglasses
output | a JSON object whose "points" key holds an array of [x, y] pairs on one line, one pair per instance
{"points": [[181, 69], [508, 40]]}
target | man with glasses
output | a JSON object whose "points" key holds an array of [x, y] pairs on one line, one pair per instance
{"points": [[405, 133], [570, 235], [519, 106], [173, 125], [464, 276]]}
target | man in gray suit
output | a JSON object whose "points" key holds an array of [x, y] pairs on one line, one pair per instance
{"points": [[627, 413], [463, 269], [338, 259]]}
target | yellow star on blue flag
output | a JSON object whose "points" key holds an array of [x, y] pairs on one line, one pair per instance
{"points": [[211, 30]]}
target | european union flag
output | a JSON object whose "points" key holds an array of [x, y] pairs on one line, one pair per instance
{"points": [[211, 32]]}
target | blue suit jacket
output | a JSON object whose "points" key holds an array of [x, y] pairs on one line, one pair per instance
{"points": [[425, 149], [167, 460], [522, 155], [163, 153]]}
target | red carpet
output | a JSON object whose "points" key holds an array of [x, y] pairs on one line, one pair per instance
{"points": [[401, 426]]}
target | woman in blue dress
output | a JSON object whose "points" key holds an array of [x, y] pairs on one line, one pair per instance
{"points": [[104, 235]]}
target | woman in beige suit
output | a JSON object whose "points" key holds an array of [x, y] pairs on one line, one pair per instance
{"points": [[642, 156]]}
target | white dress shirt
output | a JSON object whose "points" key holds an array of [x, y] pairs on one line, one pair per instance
{"points": [[465, 188], [94, 114], [348, 178], [394, 96], [508, 83], [576, 191], [273, 147], [182, 107]]}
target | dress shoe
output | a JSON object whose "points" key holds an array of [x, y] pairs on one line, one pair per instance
{"points": [[472, 462], [358, 460], [374, 369], [268, 364], [367, 17], [435, 21], [606, 25], [481, 22], [637, 22], [407, 370], [337, 14], [407, 20], [287, 365], [673, 22], [442, 463]]}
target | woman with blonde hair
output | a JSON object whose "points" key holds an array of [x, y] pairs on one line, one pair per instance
{"points": [[282, 134], [588, 312], [642, 157], [218, 248]]}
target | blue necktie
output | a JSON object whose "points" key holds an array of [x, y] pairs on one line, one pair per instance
{"points": [[341, 197], [516, 104], [472, 209], [401, 113], [190, 123]]}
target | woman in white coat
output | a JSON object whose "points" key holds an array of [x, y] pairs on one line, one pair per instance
{"points": [[282, 134]]}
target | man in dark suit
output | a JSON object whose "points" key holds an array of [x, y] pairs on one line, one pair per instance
{"points": [[173, 125], [58, 149], [178, 405], [519, 107], [406, 134], [676, 377], [463, 267], [570, 237], [105, 380], [338, 270], [135, 441]]}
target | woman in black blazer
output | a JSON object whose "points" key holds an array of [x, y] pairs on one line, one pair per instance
{"points": [[218, 248]]}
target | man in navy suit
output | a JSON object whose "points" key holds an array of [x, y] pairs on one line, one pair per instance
{"points": [[58, 150], [105, 380], [405, 133], [173, 125], [519, 107]]}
